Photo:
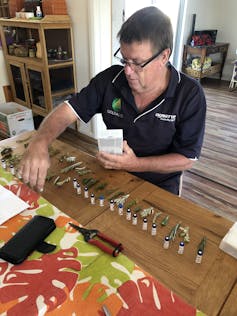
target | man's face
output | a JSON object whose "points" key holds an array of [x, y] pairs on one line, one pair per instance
{"points": [[140, 79]]}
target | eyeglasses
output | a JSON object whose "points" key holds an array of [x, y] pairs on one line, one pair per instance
{"points": [[133, 64]]}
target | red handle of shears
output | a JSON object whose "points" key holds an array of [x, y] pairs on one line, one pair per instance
{"points": [[109, 240], [111, 251]]}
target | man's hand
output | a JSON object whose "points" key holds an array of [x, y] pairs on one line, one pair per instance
{"points": [[35, 162], [127, 161], [34, 165]]}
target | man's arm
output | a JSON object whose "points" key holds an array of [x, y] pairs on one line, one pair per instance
{"points": [[128, 161], [35, 162]]}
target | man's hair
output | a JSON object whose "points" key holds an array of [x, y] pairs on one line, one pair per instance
{"points": [[148, 24]]}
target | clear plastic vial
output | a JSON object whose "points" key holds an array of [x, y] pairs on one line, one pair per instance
{"points": [[153, 229], [74, 183], [128, 214], [12, 169], [92, 198], [4, 165], [86, 193], [38, 12], [199, 256], [181, 248], [144, 224], [134, 219], [111, 205], [102, 200], [78, 189], [166, 243], [120, 209]]}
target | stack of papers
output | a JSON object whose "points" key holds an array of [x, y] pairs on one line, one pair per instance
{"points": [[10, 205]]}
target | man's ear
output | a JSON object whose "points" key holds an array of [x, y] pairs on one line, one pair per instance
{"points": [[166, 55]]}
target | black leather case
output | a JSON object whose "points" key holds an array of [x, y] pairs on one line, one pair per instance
{"points": [[29, 238]]}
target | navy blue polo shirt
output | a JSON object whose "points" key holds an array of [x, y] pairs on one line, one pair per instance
{"points": [[172, 123]]}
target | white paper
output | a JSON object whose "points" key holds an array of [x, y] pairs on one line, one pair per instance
{"points": [[229, 242], [111, 141], [10, 205]]}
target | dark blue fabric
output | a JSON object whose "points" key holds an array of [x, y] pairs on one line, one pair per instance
{"points": [[173, 123]]}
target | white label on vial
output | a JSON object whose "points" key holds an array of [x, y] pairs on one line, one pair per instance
{"points": [[134, 220]]}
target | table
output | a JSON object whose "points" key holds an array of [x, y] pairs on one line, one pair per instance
{"points": [[203, 52], [210, 286]]}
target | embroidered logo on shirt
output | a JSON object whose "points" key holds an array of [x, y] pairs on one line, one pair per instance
{"points": [[166, 117], [116, 105]]}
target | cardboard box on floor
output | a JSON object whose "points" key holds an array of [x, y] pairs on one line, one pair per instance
{"points": [[15, 119]]}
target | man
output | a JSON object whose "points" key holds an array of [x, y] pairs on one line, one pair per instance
{"points": [[161, 111]]}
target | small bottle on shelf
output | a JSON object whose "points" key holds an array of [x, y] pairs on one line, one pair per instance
{"points": [[38, 12]]}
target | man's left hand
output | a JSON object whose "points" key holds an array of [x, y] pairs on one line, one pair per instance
{"points": [[127, 161]]}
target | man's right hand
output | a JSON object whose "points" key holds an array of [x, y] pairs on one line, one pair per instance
{"points": [[34, 165]]}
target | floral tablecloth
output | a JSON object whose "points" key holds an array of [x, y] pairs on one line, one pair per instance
{"points": [[77, 278]]}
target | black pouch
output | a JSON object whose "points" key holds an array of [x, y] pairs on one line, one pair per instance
{"points": [[29, 238]]}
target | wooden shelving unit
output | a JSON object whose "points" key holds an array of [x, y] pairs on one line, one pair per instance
{"points": [[40, 82], [203, 51]]}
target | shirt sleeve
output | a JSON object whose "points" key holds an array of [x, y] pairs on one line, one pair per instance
{"points": [[190, 127], [86, 103]]}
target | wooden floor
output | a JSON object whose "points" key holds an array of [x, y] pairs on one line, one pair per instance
{"points": [[212, 182]]}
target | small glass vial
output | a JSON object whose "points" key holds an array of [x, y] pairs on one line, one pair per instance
{"points": [[92, 198], [86, 193], [120, 209], [59, 52], [74, 181], [166, 243], [134, 219], [38, 12], [102, 200], [144, 224], [128, 214], [32, 52], [181, 248], [78, 188], [199, 256], [12, 169], [111, 205], [153, 229], [4, 165]]}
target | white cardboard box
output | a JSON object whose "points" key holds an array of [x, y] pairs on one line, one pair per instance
{"points": [[15, 119]]}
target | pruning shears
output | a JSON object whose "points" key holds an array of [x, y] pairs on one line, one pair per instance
{"points": [[89, 235]]}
